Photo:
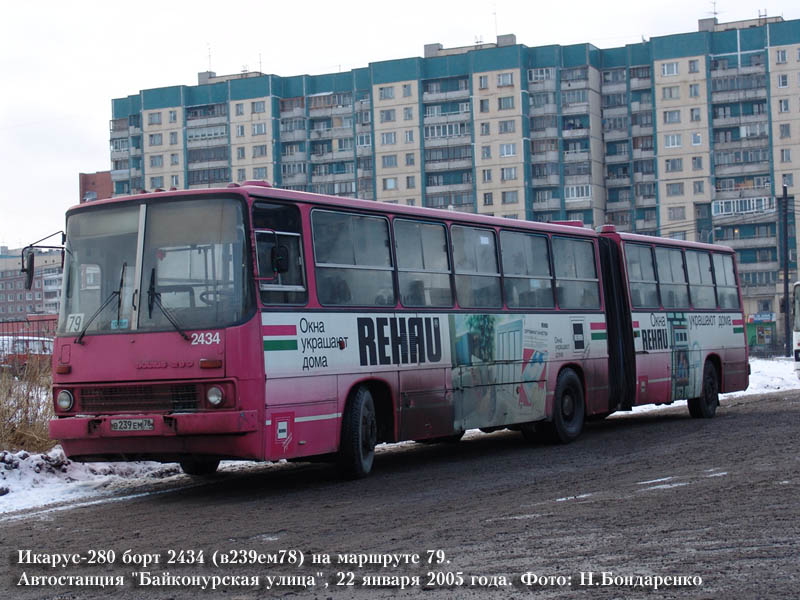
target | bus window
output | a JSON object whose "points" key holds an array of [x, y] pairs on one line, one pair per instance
{"points": [[422, 264], [576, 274], [642, 276], [477, 273], [701, 283], [726, 281], [282, 229], [526, 270], [353, 259], [672, 278]]}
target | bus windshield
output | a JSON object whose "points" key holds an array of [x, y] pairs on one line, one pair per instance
{"points": [[186, 268]]}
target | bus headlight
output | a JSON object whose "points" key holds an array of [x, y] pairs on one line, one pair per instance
{"points": [[64, 400], [214, 396]]}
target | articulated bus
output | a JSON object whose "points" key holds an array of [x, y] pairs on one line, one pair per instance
{"points": [[251, 322]]}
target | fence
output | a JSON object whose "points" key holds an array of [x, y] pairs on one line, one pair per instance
{"points": [[27, 338]]}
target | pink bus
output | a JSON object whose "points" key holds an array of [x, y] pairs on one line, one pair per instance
{"points": [[257, 323]]}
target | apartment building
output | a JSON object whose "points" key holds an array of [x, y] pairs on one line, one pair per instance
{"points": [[689, 136], [16, 302]]}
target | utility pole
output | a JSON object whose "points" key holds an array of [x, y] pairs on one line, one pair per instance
{"points": [[787, 308]]}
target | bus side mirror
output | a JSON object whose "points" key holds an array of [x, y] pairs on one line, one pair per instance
{"points": [[28, 269], [280, 259]]}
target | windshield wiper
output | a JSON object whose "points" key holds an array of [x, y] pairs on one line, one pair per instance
{"points": [[115, 294], [154, 297]]}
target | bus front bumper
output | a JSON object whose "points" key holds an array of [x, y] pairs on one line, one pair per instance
{"points": [[149, 425]]}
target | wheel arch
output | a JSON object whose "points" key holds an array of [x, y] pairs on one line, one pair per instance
{"points": [[383, 400], [578, 369], [715, 360]]}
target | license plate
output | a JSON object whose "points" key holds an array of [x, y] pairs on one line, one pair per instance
{"points": [[132, 425]]}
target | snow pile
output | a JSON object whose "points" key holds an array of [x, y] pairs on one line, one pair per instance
{"points": [[35, 480]]}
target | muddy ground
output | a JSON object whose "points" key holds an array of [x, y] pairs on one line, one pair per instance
{"points": [[710, 506]]}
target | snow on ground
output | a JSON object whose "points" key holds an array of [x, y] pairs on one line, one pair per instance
{"points": [[30, 481]]}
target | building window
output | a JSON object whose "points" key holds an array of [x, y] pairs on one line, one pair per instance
{"points": [[409, 159], [510, 197], [408, 113], [671, 92], [505, 79], [669, 69], [486, 152], [258, 107], [485, 129], [697, 139], [239, 109], [483, 82], [154, 118], [386, 93], [157, 160], [155, 139], [697, 187], [409, 136], [783, 80], [673, 165], [411, 182], [786, 155], [506, 126], [259, 172], [406, 90], [388, 138], [672, 116], [364, 139], [157, 182], [486, 175], [241, 174], [389, 183], [174, 159], [783, 105], [387, 116], [694, 90], [508, 173], [788, 179], [389, 161], [780, 57], [694, 66], [174, 180], [483, 105], [173, 116], [240, 131], [259, 151], [240, 153], [697, 163], [508, 150], [259, 128], [676, 213], [675, 189], [694, 114], [785, 130], [577, 192], [672, 140], [505, 103]]}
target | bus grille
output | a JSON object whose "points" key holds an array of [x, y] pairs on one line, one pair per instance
{"points": [[139, 398]]}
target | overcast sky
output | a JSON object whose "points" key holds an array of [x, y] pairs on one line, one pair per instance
{"points": [[63, 62]]}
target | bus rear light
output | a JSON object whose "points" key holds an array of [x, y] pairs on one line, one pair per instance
{"points": [[207, 363], [215, 396], [64, 400], [63, 369]]}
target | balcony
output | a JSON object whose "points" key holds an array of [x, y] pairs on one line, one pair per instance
{"points": [[756, 266], [742, 192], [745, 243], [454, 187], [120, 174], [644, 177], [120, 154], [615, 134], [617, 158], [646, 224], [645, 201], [618, 87], [551, 156], [639, 153], [574, 133], [641, 83], [207, 121], [578, 204], [741, 144], [620, 205], [447, 141], [618, 181], [575, 108], [444, 96], [549, 132], [546, 85], [297, 111], [294, 179], [321, 134], [546, 181], [639, 130], [447, 165], [614, 111], [572, 156], [545, 109], [448, 118], [577, 179], [742, 169], [296, 135], [737, 95], [551, 204]]}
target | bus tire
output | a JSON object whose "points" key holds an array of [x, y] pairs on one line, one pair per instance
{"points": [[199, 467], [705, 407], [569, 409], [359, 435]]}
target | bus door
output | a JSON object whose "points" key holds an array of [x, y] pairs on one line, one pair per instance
{"points": [[621, 354]]}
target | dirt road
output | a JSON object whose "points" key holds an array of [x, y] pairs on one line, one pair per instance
{"points": [[694, 508]]}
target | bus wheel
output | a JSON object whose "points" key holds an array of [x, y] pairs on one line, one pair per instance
{"points": [[199, 467], [359, 435], [568, 410], [705, 406]]}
